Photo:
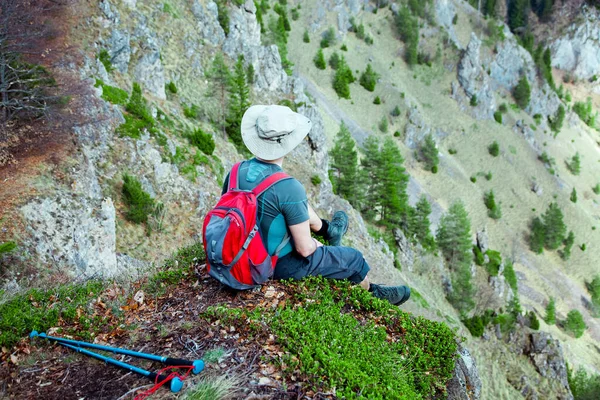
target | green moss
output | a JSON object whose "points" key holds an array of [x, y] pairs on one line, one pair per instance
{"points": [[328, 341], [40, 310]]}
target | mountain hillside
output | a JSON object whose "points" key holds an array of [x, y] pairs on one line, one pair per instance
{"points": [[492, 153]]}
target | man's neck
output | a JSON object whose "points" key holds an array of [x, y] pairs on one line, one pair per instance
{"points": [[278, 161]]}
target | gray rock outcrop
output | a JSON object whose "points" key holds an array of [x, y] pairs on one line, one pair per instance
{"points": [[150, 73], [74, 234], [475, 82], [546, 354], [119, 50], [578, 51], [445, 11], [405, 252], [465, 383], [208, 22]]}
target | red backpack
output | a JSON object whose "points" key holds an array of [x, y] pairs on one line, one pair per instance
{"points": [[235, 252]]}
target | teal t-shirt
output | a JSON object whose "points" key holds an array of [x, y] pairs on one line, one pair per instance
{"points": [[281, 205]]}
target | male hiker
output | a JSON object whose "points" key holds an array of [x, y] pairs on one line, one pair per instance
{"points": [[284, 217]]}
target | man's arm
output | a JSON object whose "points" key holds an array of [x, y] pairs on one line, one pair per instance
{"points": [[303, 242], [315, 221]]}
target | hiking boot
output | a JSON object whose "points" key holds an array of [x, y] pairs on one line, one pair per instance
{"points": [[394, 294], [337, 227]]}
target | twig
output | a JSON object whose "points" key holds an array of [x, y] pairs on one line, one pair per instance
{"points": [[133, 390], [129, 373], [66, 375]]}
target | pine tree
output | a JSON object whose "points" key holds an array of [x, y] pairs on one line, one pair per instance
{"points": [[368, 79], [319, 60], [370, 164], [221, 83], [550, 317], [556, 122], [547, 68], [522, 92], [565, 253], [408, 28], [394, 180], [344, 166], [342, 79], [517, 14], [494, 211], [537, 237], [250, 74], [574, 166], [555, 229], [419, 223], [306, 37], [386, 181], [340, 84], [463, 291], [334, 60], [428, 153], [454, 235], [239, 102], [574, 196]]}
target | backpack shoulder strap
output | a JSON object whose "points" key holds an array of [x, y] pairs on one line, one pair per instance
{"points": [[233, 177], [269, 181]]}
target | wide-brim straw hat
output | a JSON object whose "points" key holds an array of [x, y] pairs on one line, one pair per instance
{"points": [[272, 131]]}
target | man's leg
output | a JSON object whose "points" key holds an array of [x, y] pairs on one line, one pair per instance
{"points": [[338, 262]]}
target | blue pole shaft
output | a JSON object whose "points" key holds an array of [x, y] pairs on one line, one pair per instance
{"points": [[115, 350], [108, 360]]}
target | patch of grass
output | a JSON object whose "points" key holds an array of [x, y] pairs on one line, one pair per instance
{"points": [[171, 87], [139, 203], [191, 112], [104, 58], [494, 149], [138, 117], [417, 297], [7, 247], [203, 141], [179, 266], [112, 94], [213, 388], [38, 309], [316, 180]]}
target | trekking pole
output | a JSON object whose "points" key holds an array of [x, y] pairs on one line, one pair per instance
{"points": [[176, 383], [197, 364]]}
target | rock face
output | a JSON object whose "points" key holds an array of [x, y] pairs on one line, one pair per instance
{"points": [[416, 129], [405, 251], [507, 67], [465, 383], [208, 23], [120, 50], [475, 82], [445, 10], [73, 233], [578, 51], [150, 73], [546, 355]]}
